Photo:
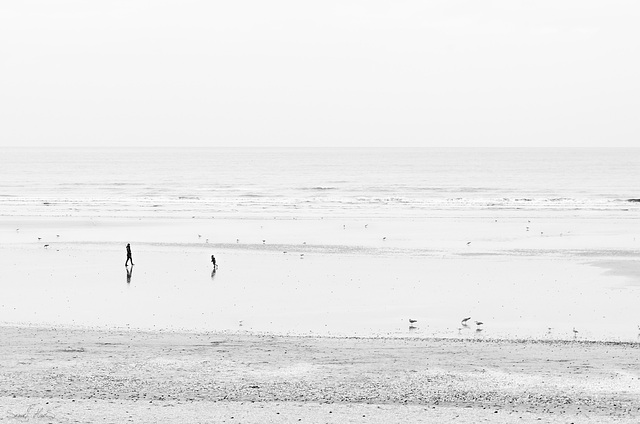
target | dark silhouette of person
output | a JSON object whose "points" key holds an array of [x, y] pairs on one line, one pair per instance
{"points": [[213, 261], [129, 258], [129, 274]]}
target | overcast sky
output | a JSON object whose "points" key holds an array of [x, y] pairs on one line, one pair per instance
{"points": [[319, 73]]}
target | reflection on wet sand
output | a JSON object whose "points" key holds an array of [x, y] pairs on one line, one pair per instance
{"points": [[129, 274]]}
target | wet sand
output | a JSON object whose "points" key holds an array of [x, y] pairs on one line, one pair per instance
{"points": [[83, 375], [537, 279]]}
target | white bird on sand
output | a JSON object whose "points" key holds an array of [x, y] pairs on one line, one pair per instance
{"points": [[199, 235], [479, 323], [575, 332], [464, 321], [412, 321]]}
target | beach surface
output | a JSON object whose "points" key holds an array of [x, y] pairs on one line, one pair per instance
{"points": [[324, 258], [82, 375], [537, 277]]}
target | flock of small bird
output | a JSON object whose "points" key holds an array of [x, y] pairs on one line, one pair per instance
{"points": [[39, 238], [464, 323]]}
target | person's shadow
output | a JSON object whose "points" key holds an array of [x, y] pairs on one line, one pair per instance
{"points": [[129, 274]]}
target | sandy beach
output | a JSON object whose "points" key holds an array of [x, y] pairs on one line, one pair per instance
{"points": [[307, 320], [74, 375]]}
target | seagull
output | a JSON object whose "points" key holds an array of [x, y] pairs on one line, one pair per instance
{"points": [[366, 225], [464, 321], [46, 245], [575, 332], [412, 321], [384, 238], [479, 323], [468, 243], [263, 241], [199, 235]]}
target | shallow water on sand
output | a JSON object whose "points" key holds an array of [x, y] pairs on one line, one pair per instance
{"points": [[329, 277]]}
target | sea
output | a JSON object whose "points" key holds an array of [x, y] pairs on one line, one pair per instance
{"points": [[535, 243], [313, 182]]}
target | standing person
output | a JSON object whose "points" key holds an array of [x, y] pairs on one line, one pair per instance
{"points": [[129, 258], [213, 261]]}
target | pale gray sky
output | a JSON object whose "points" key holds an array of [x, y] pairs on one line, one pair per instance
{"points": [[319, 73]]}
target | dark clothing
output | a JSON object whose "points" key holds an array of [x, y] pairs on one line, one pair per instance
{"points": [[129, 258]]}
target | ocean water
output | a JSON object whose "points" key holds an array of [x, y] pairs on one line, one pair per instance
{"points": [[313, 182], [533, 242]]}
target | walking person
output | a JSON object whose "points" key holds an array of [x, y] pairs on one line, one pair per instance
{"points": [[213, 261], [129, 258]]}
